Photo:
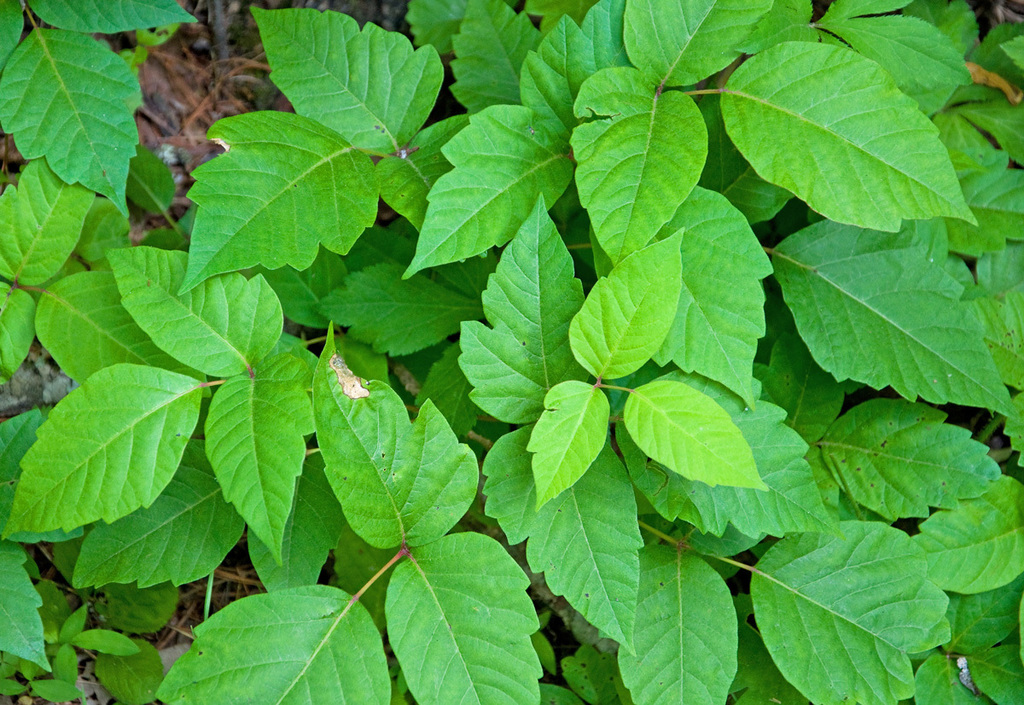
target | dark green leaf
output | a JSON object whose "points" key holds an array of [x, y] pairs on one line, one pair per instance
{"points": [[984, 619], [134, 679], [150, 183], [447, 387], [21, 630], [301, 292]]}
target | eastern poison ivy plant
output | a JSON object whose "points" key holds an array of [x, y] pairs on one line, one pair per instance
{"points": [[704, 311]]}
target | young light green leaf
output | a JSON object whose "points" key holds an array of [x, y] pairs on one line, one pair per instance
{"points": [[685, 632], [369, 86], [17, 329], [984, 619], [568, 436], [475, 206], [907, 329], [627, 314], [397, 482], [112, 445], [938, 681], [254, 440], [222, 327], [301, 292], [492, 43], [182, 537], [459, 621], [250, 215], [638, 160], [81, 321], [867, 155], [68, 84], [530, 300], [42, 219], [898, 459], [398, 316], [150, 183], [105, 642], [447, 387], [109, 16], [552, 75], [811, 397], [298, 646], [586, 541], [21, 629], [980, 545], [690, 434], [720, 315], [312, 529], [680, 43], [840, 615]]}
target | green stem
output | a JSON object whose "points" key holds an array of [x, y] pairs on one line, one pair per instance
{"points": [[602, 385], [660, 534], [314, 341], [705, 91], [989, 429], [730, 561], [369, 583], [209, 597]]}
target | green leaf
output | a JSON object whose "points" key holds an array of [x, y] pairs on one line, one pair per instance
{"points": [[109, 16], [12, 22], [56, 690], [756, 672], [42, 219], [690, 434], [720, 315], [998, 673], [107, 449], [447, 387], [398, 316], [303, 645], [638, 160], [530, 300], [906, 329], [17, 435], [312, 529], [996, 197], [984, 619], [937, 682], [509, 488], [406, 178], [21, 630], [845, 9], [867, 155], [786, 21], [552, 75], [586, 541], [568, 436], [436, 21], [1002, 271], [222, 327], [81, 322], [553, 10], [135, 610], [134, 679], [998, 118], [249, 214], [301, 292], [150, 183], [254, 440], [17, 329], [475, 206], [898, 459], [68, 84], [104, 229], [369, 86], [182, 537], [592, 676], [399, 483], [685, 632], [459, 621], [1003, 321], [839, 615], [105, 642], [680, 43], [492, 43], [980, 545], [811, 397], [627, 314]]}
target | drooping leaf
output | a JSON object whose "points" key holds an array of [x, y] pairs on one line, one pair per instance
{"points": [[568, 436], [898, 459], [459, 621], [398, 316], [182, 537], [42, 219], [150, 183], [21, 629], [250, 215], [492, 43], [867, 155], [397, 482], [638, 160], [586, 541], [109, 16], [447, 387], [17, 329], [254, 440], [530, 300], [63, 96], [685, 632], [476, 206], [627, 314], [222, 327], [689, 433], [301, 292], [680, 43], [906, 328], [983, 619], [312, 529], [107, 449], [369, 86], [298, 646], [980, 545], [840, 615]]}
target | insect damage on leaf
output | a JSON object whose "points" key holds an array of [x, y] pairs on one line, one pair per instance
{"points": [[351, 385]]}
